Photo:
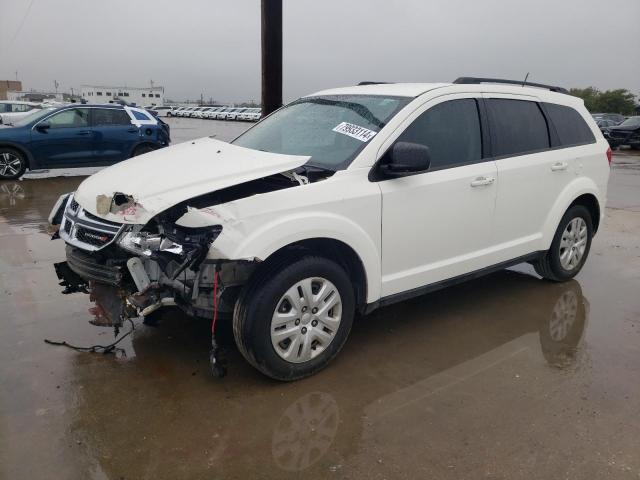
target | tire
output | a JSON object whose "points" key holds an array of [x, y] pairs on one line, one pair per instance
{"points": [[12, 163], [142, 149], [312, 345], [551, 266]]}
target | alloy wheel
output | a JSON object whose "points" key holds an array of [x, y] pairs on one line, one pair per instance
{"points": [[573, 243], [10, 164]]}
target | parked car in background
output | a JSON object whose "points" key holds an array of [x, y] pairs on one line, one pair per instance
{"points": [[233, 114], [11, 111], [251, 115], [627, 133], [614, 117], [79, 136], [160, 111], [342, 202], [211, 112], [185, 112], [222, 114], [174, 110]]}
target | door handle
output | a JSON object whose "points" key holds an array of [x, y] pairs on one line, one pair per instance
{"points": [[482, 181], [559, 166], [133, 130], [84, 132]]}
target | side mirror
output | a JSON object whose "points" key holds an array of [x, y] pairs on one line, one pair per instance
{"points": [[43, 126], [406, 158]]}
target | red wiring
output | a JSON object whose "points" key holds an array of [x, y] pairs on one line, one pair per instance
{"points": [[215, 302]]}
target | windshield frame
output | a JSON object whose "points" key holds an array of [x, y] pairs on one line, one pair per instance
{"points": [[403, 101]]}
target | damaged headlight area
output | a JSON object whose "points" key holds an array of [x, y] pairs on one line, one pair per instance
{"points": [[174, 249]]}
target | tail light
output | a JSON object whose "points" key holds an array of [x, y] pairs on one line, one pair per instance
{"points": [[609, 155]]}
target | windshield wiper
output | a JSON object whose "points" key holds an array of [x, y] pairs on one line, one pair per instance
{"points": [[361, 110]]}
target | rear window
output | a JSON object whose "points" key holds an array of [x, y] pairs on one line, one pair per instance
{"points": [[139, 115], [517, 127], [111, 116], [570, 126]]}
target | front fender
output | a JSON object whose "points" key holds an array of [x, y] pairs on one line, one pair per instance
{"points": [[259, 238], [579, 186]]}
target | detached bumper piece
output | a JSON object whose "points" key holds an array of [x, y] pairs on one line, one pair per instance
{"points": [[89, 267]]}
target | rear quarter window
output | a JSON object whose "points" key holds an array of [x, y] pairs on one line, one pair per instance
{"points": [[518, 127], [570, 126]]}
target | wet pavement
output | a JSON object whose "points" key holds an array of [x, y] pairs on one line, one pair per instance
{"points": [[506, 377]]}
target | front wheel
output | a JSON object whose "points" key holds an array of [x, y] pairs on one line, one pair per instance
{"points": [[294, 316], [569, 248], [12, 164]]}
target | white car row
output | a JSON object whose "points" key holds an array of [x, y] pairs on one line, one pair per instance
{"points": [[214, 113]]}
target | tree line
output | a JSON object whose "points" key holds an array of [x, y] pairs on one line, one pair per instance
{"points": [[620, 100]]}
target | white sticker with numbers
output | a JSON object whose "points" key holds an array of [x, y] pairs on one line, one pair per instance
{"points": [[355, 131]]}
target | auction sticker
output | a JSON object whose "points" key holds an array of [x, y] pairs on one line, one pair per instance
{"points": [[355, 131]]}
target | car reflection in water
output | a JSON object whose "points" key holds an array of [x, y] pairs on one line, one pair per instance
{"points": [[170, 412]]}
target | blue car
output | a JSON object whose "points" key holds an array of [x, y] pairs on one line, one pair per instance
{"points": [[78, 136]]}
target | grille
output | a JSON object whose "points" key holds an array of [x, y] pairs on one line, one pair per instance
{"points": [[87, 231], [93, 237]]}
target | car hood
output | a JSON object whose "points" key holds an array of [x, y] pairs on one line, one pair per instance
{"points": [[159, 180], [625, 128]]}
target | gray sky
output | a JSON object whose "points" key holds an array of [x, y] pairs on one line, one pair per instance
{"points": [[213, 46]]}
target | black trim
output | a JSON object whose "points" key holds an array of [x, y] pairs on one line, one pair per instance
{"points": [[416, 292], [479, 80]]}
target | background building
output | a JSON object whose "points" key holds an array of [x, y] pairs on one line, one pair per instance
{"points": [[6, 85], [139, 96], [40, 96]]}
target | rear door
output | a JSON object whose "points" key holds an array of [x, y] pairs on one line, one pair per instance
{"points": [[531, 175], [115, 135], [67, 142], [436, 225]]}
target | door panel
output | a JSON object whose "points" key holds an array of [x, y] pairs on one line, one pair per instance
{"points": [[531, 176], [67, 143], [115, 136], [436, 225]]}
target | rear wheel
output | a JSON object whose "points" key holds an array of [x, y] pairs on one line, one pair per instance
{"points": [[570, 246], [294, 316], [12, 163]]}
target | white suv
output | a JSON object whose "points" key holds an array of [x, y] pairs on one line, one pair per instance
{"points": [[341, 202]]}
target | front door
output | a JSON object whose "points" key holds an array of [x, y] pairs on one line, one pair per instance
{"points": [[436, 225], [64, 139]]}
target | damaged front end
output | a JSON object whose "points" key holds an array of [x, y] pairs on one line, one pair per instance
{"points": [[156, 265]]}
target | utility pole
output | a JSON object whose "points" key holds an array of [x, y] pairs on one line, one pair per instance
{"points": [[271, 55]]}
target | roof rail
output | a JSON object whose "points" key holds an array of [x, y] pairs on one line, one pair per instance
{"points": [[373, 83], [478, 80]]}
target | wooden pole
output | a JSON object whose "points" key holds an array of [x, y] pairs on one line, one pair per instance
{"points": [[271, 55]]}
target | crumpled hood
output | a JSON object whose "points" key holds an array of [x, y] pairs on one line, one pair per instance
{"points": [[165, 177]]}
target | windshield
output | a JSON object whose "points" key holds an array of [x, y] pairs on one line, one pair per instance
{"points": [[37, 115], [631, 122], [332, 130]]}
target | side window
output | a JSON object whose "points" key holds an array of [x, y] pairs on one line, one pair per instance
{"points": [[74, 117], [570, 126], [518, 127], [139, 115], [110, 116], [5, 107], [452, 132]]}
